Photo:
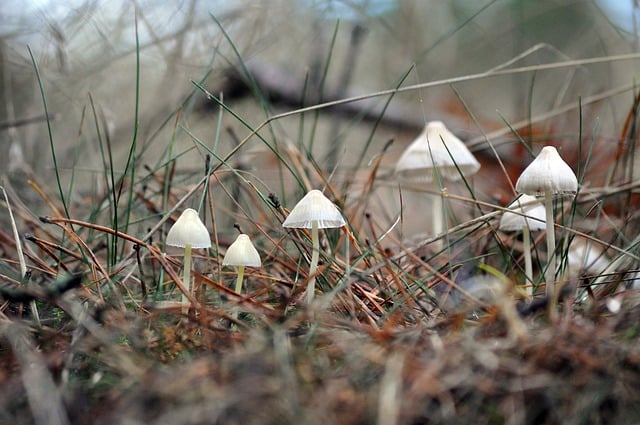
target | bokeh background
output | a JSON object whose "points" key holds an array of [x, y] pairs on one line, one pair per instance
{"points": [[302, 53]]}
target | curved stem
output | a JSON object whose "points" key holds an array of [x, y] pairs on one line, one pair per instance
{"points": [[551, 247], [315, 255], [186, 277]]}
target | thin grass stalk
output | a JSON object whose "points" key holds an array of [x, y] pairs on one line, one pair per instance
{"points": [[21, 260], [130, 167], [110, 182], [50, 133], [320, 88]]}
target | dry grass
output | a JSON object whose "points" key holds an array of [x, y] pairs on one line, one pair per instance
{"points": [[422, 330]]}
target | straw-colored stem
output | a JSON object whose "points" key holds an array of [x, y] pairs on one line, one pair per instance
{"points": [[528, 266], [315, 255], [551, 248], [239, 280], [186, 277]]}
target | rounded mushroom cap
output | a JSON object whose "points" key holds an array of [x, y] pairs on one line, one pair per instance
{"points": [[314, 206], [437, 147], [547, 173], [189, 230], [242, 253], [584, 256], [525, 204]]}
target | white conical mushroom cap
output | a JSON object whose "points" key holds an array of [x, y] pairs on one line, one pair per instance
{"points": [[189, 230], [547, 173], [525, 204], [314, 206], [436, 146], [242, 253]]}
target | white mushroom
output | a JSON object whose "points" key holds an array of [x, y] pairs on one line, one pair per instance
{"points": [[314, 211], [241, 253], [188, 232], [436, 155], [548, 175]]}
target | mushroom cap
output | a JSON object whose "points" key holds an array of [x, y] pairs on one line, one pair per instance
{"points": [[547, 173], [242, 253], [189, 230], [584, 256], [525, 204], [437, 147], [314, 206]]}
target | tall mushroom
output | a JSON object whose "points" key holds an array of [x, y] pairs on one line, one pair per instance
{"points": [[527, 208], [314, 211], [188, 232], [548, 175], [436, 155]]}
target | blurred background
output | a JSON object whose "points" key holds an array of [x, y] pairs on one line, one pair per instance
{"points": [[263, 58]]}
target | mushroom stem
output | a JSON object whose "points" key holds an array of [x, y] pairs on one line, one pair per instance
{"points": [[186, 278], [551, 246], [528, 267], [315, 255], [239, 279], [438, 218]]}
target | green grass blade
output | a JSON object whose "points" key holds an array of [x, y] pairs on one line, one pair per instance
{"points": [[50, 132]]}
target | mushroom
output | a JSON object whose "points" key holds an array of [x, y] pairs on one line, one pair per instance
{"points": [[548, 175], [512, 222], [314, 211], [188, 232], [241, 253], [436, 155]]}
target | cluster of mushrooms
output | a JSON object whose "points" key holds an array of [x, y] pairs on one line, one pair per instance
{"points": [[435, 156], [314, 211]]}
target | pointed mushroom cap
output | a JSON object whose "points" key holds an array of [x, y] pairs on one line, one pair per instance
{"points": [[189, 230], [547, 173], [438, 147], [242, 253], [314, 206], [525, 204]]}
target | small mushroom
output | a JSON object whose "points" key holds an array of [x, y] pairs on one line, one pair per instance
{"points": [[512, 222], [188, 232], [548, 175], [436, 155], [241, 253], [314, 211]]}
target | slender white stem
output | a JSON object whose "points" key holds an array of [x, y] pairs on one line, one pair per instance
{"points": [[528, 266], [315, 255], [239, 281], [186, 278], [347, 262], [438, 218], [551, 246]]}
